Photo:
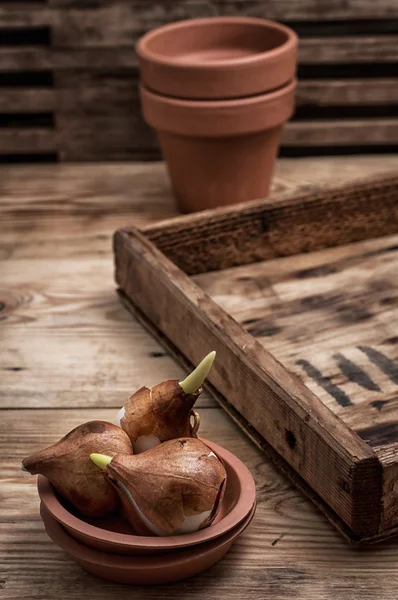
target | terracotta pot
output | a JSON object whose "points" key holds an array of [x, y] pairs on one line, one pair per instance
{"points": [[217, 57], [144, 570], [219, 152], [116, 537]]}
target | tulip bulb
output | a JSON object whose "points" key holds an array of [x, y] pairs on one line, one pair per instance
{"points": [[164, 412], [68, 466], [171, 489]]}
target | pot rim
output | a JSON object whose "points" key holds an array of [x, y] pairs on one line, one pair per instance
{"points": [[247, 101], [145, 53], [244, 505], [218, 118]]}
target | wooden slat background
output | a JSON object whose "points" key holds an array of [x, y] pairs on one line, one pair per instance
{"points": [[347, 99]]}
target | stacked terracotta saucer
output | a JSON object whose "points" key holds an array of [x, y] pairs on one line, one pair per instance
{"points": [[218, 91], [109, 549]]}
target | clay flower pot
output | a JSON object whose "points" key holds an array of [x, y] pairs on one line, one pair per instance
{"points": [[219, 152], [217, 57]]}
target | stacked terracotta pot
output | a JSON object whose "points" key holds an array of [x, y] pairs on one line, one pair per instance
{"points": [[110, 549], [218, 91]]}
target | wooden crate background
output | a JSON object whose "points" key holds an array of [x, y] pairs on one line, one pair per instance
{"points": [[68, 75]]}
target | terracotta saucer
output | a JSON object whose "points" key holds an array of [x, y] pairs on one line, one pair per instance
{"points": [[144, 570], [115, 536]]}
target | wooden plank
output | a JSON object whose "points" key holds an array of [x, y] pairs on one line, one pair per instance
{"points": [[267, 395], [110, 137], [99, 117], [283, 10], [24, 100], [33, 140], [271, 228], [119, 23], [102, 92], [91, 58], [24, 15], [388, 456], [366, 132], [25, 58], [58, 331], [71, 211], [347, 92], [352, 49], [311, 10]]}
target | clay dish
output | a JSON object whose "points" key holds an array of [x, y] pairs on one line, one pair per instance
{"points": [[217, 57], [144, 570], [116, 537]]}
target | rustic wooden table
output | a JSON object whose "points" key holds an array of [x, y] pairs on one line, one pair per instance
{"points": [[69, 353]]}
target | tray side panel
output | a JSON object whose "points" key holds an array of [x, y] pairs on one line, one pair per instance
{"points": [[336, 463], [388, 456], [305, 222]]}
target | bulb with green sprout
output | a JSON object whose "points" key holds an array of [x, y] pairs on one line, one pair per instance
{"points": [[164, 412], [173, 488]]}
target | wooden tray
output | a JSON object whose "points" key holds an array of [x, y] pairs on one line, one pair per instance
{"points": [[305, 324]]}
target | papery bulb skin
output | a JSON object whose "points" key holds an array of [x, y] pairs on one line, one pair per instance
{"points": [[174, 488], [68, 466], [153, 416]]}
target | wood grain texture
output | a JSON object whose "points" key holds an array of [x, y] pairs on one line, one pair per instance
{"points": [[355, 49], [341, 132], [120, 24], [318, 313], [20, 140], [388, 455], [24, 15], [346, 92], [26, 101], [25, 58], [270, 228], [67, 213], [69, 308], [311, 10], [273, 9]]}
